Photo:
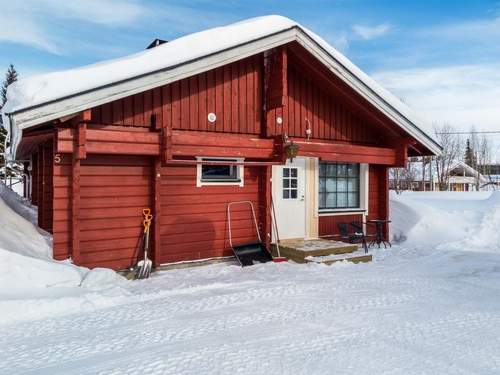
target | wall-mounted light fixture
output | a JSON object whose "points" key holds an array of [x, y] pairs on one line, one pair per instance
{"points": [[308, 129]]}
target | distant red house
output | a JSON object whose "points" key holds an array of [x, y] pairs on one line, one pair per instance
{"points": [[190, 125]]}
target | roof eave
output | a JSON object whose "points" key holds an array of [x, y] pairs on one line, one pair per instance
{"points": [[61, 107]]}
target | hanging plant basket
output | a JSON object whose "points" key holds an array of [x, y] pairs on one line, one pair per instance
{"points": [[291, 150]]}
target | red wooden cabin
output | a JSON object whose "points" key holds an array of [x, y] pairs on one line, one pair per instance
{"points": [[190, 136]]}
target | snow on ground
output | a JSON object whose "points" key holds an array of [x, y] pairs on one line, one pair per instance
{"points": [[26, 264], [461, 220], [425, 306]]}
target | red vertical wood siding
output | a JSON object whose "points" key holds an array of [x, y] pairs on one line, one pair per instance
{"points": [[327, 225], [311, 105], [194, 219], [34, 178], [231, 92], [42, 186], [45, 208], [378, 194]]}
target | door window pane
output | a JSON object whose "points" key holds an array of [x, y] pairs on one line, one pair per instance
{"points": [[290, 183]]}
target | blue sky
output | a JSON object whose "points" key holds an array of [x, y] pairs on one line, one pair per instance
{"points": [[441, 57]]}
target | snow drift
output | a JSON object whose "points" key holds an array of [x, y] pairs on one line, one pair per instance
{"points": [[19, 232], [468, 220], [26, 253]]}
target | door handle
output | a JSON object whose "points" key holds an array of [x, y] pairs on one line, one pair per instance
{"points": [[302, 197]]}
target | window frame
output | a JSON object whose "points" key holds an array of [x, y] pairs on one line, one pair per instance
{"points": [[362, 191], [289, 189], [238, 181]]}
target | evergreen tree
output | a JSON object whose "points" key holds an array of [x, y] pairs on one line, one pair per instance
{"points": [[10, 77], [469, 156]]}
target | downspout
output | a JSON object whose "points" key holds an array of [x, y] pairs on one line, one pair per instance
{"points": [[5, 155]]}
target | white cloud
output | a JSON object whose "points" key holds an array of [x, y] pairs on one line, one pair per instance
{"points": [[460, 95], [371, 32], [94, 11], [34, 22], [467, 30], [24, 30]]}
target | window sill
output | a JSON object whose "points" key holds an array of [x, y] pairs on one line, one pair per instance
{"points": [[338, 212], [220, 183]]}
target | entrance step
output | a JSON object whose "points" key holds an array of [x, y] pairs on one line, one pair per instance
{"points": [[301, 251], [358, 256]]}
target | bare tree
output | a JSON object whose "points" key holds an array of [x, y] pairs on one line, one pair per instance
{"points": [[409, 173], [452, 151], [483, 157]]}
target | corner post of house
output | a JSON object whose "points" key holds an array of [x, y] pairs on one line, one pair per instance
{"points": [[166, 143], [265, 204], [25, 179], [157, 210], [275, 91], [41, 182], [79, 153], [401, 151], [385, 189]]}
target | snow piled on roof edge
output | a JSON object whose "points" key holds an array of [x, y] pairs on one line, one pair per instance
{"points": [[40, 89]]}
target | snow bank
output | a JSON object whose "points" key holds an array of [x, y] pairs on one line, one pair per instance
{"points": [[18, 204], [24, 272], [19, 235], [447, 219], [26, 254]]}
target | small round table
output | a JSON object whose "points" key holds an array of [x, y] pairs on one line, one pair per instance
{"points": [[379, 234]]}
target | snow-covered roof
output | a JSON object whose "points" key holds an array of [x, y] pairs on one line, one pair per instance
{"points": [[46, 97], [454, 165]]}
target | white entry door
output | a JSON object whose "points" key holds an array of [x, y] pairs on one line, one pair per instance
{"points": [[289, 194]]}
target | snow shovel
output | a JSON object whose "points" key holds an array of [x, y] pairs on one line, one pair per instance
{"points": [[279, 258], [144, 266], [249, 253]]}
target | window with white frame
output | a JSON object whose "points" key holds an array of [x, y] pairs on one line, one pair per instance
{"points": [[339, 186], [290, 182], [213, 171]]}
